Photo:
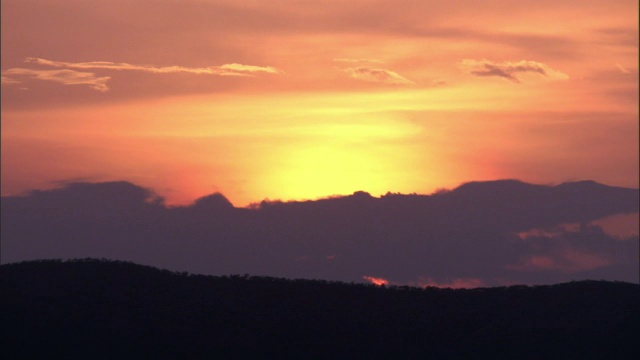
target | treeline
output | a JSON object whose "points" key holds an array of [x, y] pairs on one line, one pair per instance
{"points": [[110, 309]]}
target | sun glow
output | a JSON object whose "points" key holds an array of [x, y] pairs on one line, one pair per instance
{"points": [[341, 158], [330, 169]]}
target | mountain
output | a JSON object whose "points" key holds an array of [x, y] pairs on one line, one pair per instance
{"points": [[108, 309], [484, 233]]}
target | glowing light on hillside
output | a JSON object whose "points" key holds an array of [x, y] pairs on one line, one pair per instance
{"points": [[376, 280]]}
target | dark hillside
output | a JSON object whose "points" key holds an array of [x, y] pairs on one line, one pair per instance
{"points": [[93, 309]]}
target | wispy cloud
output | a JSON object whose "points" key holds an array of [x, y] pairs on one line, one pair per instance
{"points": [[378, 75], [223, 70], [69, 75], [510, 69], [7, 81], [567, 261], [249, 68], [622, 69], [350, 60], [64, 76]]}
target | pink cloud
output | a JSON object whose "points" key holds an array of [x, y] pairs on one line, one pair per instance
{"points": [[620, 226], [555, 232], [7, 80], [568, 261]]}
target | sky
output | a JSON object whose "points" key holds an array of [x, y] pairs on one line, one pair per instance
{"points": [[295, 99]]}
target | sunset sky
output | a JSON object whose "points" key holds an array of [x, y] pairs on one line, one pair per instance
{"points": [[296, 99]]}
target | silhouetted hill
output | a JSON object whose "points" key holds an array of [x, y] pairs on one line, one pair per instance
{"points": [[489, 233], [105, 309]]}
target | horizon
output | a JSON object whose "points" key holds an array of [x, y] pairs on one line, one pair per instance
{"points": [[64, 184]]}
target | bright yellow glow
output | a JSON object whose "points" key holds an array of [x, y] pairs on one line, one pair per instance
{"points": [[318, 170], [339, 158]]}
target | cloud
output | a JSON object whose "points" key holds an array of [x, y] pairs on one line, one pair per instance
{"points": [[223, 70], [249, 68], [7, 81], [620, 226], [378, 75], [65, 76], [567, 261], [349, 60], [509, 69], [555, 232], [70, 76], [622, 69]]}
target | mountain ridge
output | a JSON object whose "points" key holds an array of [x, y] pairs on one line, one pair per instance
{"points": [[107, 309], [126, 190], [489, 233]]}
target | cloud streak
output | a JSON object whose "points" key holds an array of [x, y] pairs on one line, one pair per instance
{"points": [[69, 74], [510, 69], [567, 261], [65, 76], [378, 75], [7, 81], [350, 60], [223, 70], [242, 69], [622, 69]]}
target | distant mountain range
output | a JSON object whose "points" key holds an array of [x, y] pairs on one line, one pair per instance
{"points": [[479, 234]]}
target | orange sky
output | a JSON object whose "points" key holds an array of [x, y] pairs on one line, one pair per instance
{"points": [[303, 99]]}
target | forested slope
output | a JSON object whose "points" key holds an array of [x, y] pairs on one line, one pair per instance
{"points": [[96, 308]]}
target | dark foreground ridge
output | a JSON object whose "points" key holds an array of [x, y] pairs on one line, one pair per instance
{"points": [[107, 309]]}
